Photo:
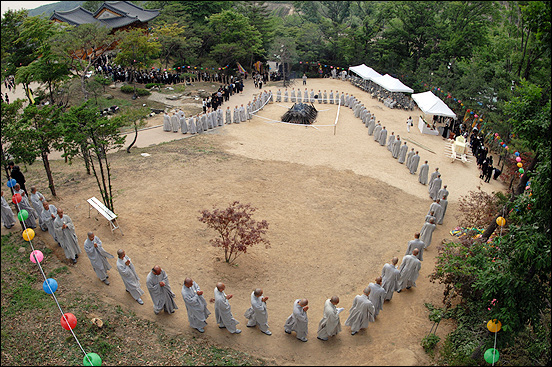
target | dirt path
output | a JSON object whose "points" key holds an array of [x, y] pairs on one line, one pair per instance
{"points": [[339, 207]]}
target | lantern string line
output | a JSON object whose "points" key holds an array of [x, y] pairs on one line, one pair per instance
{"points": [[53, 293], [494, 347]]}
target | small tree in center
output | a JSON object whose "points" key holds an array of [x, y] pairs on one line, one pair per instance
{"points": [[237, 229]]}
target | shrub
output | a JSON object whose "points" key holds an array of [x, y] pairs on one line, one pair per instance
{"points": [[139, 91], [150, 85], [236, 228], [429, 342]]}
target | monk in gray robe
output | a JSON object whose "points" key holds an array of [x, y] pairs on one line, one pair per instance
{"points": [[279, 96], [128, 274], [298, 321], [243, 117], [48, 215], [325, 97], [98, 256], [426, 233], [220, 116], [331, 97], [299, 96], [337, 98], [330, 324], [443, 203], [377, 295], [236, 115], [361, 313], [391, 141], [371, 125], [7, 213], [382, 136], [414, 161], [24, 204], [433, 176], [424, 169], [443, 192], [409, 157], [223, 311], [192, 125], [228, 115], [257, 314], [65, 233], [430, 216], [436, 208], [390, 278], [434, 187], [195, 305], [175, 123], [166, 122], [377, 131], [160, 291], [36, 201], [396, 147], [293, 95], [416, 243], [286, 95], [402, 153], [183, 124], [248, 110], [203, 122], [410, 269]]}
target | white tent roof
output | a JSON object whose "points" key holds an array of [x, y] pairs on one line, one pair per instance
{"points": [[365, 72], [432, 105], [392, 84]]}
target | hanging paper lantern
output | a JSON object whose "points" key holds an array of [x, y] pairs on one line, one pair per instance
{"points": [[520, 164], [28, 234], [438, 88], [23, 215], [454, 99], [11, 182], [494, 326], [496, 134], [527, 187], [521, 170], [16, 198], [471, 113], [38, 254], [461, 104], [518, 158], [480, 119], [500, 221], [476, 116], [516, 153], [459, 101], [91, 359], [68, 321], [507, 147], [50, 286], [491, 355]]}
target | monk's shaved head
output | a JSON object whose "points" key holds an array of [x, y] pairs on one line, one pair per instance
{"points": [[258, 292], [415, 252], [304, 302], [120, 253], [334, 300], [395, 260], [188, 282], [220, 286], [378, 280], [367, 290], [156, 269]]}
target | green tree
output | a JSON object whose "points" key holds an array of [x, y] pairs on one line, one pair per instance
{"points": [[172, 42], [15, 51]]}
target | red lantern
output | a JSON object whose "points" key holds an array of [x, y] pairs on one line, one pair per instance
{"points": [[16, 198], [68, 321]]}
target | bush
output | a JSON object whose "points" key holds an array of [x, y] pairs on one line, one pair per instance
{"points": [[429, 342], [139, 91], [150, 85]]}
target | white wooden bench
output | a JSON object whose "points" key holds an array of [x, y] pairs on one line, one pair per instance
{"points": [[103, 210]]}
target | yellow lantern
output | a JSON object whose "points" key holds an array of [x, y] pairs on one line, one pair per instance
{"points": [[520, 164], [500, 221], [494, 326], [28, 234]]}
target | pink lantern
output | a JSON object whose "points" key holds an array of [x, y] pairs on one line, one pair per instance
{"points": [[476, 116], [39, 256], [496, 134], [518, 159]]}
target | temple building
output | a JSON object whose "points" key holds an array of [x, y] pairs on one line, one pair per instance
{"points": [[117, 15]]}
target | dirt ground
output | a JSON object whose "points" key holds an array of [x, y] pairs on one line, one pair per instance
{"points": [[339, 207]]}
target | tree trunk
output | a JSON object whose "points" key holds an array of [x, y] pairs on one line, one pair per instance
{"points": [[135, 137], [46, 163], [86, 156]]}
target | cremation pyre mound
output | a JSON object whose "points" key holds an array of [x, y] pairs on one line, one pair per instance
{"points": [[300, 113]]}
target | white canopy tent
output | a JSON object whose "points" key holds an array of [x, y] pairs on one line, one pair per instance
{"points": [[392, 84], [365, 72], [430, 104]]}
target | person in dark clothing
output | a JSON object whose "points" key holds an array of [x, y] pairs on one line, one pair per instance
{"points": [[18, 176], [496, 173], [489, 173]]}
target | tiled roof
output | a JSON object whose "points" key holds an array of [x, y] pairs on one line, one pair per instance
{"points": [[75, 16], [130, 10]]}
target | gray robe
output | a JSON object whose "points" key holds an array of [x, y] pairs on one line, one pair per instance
{"points": [[377, 296], [192, 125], [396, 148], [434, 187], [439, 219], [166, 122], [377, 131], [361, 313], [382, 137], [424, 169], [204, 122], [409, 158], [371, 126], [236, 115], [130, 278], [97, 257], [243, 117], [223, 312], [429, 217], [7, 214], [220, 117], [416, 243], [442, 193], [196, 306], [257, 314], [299, 98], [298, 321], [286, 96], [331, 98], [390, 280], [228, 116], [410, 269], [325, 97], [183, 124], [36, 202], [46, 216], [30, 222], [426, 233], [390, 142], [414, 161], [162, 297], [433, 176], [330, 324], [437, 210], [293, 95], [175, 123], [402, 153], [278, 96], [66, 236]]}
